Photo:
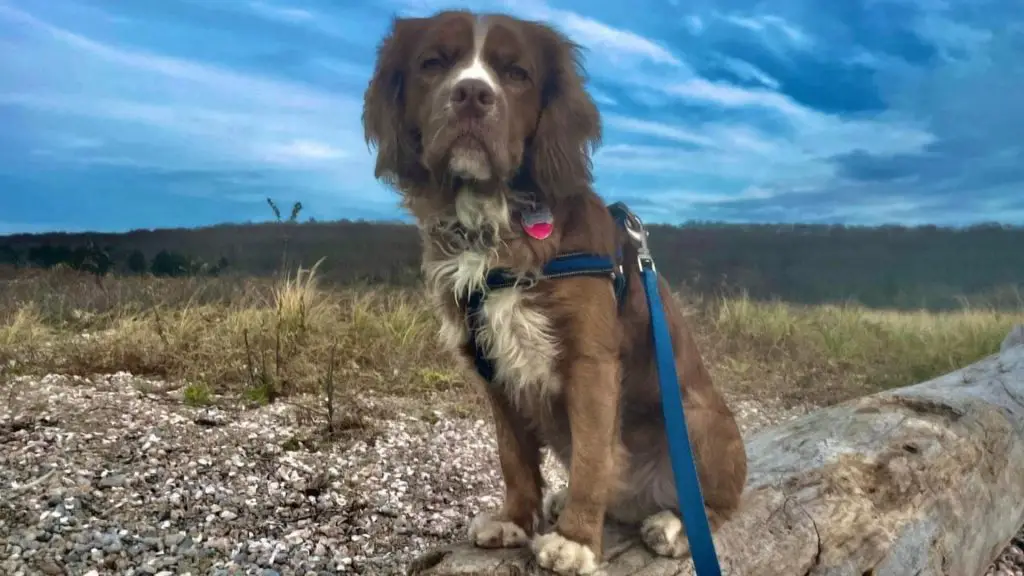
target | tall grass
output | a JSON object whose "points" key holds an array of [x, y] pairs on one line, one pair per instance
{"points": [[852, 347], [271, 338]]}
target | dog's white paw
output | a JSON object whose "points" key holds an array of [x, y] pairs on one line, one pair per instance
{"points": [[663, 534], [486, 531], [563, 556], [554, 502]]}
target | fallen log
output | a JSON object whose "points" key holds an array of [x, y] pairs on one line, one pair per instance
{"points": [[922, 480]]}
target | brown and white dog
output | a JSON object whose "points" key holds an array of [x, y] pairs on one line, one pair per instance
{"points": [[478, 120]]}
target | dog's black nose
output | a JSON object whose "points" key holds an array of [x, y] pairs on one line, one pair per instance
{"points": [[472, 96]]}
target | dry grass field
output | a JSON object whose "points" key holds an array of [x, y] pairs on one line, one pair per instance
{"points": [[267, 338]]}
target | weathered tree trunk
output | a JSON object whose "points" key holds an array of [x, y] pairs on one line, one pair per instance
{"points": [[922, 480]]}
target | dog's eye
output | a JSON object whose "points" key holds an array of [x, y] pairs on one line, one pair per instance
{"points": [[432, 64], [516, 74]]}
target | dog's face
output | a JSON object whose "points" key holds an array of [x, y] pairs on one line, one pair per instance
{"points": [[488, 99]]}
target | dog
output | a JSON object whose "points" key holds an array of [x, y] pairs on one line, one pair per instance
{"points": [[483, 125]]}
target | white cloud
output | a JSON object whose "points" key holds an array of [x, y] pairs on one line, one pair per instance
{"points": [[322, 23], [657, 129], [614, 44], [344, 69], [185, 113], [672, 202], [950, 36], [304, 150], [710, 135], [893, 208], [751, 24], [731, 96], [282, 13], [737, 152], [795, 34], [748, 71], [673, 197], [601, 98], [611, 41], [74, 141], [694, 23], [251, 87], [811, 136], [766, 24]]}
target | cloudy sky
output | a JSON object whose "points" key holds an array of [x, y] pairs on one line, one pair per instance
{"points": [[149, 113]]}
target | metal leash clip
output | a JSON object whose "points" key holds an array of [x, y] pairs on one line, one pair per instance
{"points": [[638, 234]]}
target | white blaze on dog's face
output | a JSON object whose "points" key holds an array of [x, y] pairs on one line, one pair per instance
{"points": [[474, 99]]}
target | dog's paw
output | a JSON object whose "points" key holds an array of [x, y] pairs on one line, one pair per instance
{"points": [[554, 502], [490, 531], [663, 534], [563, 556]]}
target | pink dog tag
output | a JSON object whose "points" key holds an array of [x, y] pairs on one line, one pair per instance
{"points": [[538, 223]]}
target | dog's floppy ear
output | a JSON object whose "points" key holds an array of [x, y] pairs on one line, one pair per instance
{"points": [[384, 123], [569, 128]]}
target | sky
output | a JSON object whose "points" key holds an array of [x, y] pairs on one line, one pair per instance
{"points": [[117, 115]]}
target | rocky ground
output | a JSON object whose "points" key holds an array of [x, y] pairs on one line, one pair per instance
{"points": [[116, 475]]}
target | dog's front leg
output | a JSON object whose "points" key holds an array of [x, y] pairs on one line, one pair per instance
{"points": [[519, 454], [592, 398]]}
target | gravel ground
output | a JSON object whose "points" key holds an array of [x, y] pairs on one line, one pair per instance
{"points": [[115, 475]]}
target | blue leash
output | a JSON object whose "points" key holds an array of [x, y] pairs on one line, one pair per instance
{"points": [[691, 500]]}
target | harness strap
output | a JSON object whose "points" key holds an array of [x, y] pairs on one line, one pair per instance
{"points": [[563, 266], [484, 365], [684, 470]]}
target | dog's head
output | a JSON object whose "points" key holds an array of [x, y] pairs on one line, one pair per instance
{"points": [[483, 99]]}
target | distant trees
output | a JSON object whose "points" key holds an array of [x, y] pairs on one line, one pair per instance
{"points": [[48, 256], [167, 263], [136, 262], [888, 266], [89, 257], [9, 256], [98, 261]]}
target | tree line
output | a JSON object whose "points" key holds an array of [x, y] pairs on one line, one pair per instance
{"points": [[886, 266], [90, 257]]}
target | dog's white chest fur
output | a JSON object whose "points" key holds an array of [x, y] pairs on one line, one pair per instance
{"points": [[514, 333]]}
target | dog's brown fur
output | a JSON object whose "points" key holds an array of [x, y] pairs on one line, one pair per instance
{"points": [[596, 404]]}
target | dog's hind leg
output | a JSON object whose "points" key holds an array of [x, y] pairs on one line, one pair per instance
{"points": [[664, 532], [720, 457]]}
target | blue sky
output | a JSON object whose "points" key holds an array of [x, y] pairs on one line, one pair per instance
{"points": [[151, 113]]}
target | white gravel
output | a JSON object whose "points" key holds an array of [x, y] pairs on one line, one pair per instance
{"points": [[113, 475]]}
